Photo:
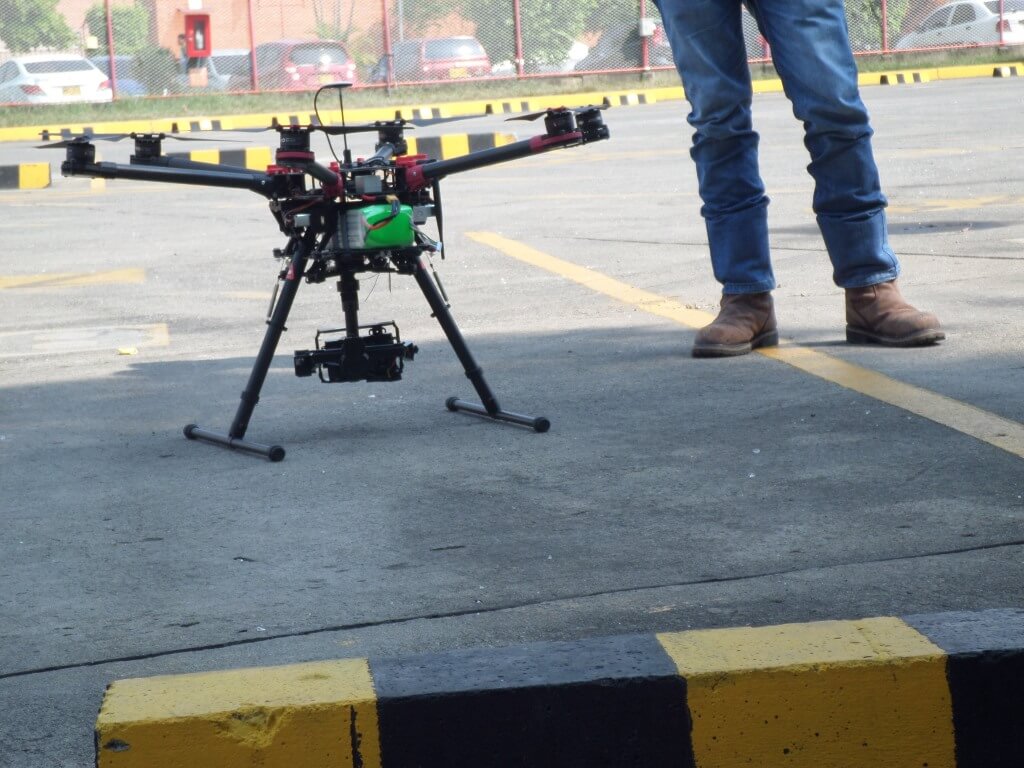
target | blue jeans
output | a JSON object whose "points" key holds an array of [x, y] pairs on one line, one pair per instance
{"points": [[811, 51]]}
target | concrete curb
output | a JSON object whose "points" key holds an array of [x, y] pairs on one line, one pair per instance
{"points": [[25, 176], [939, 690]]}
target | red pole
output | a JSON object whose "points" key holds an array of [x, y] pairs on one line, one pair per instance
{"points": [[645, 48], [252, 47], [517, 23], [110, 51], [389, 61], [885, 26]]}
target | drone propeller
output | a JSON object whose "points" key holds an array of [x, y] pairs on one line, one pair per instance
{"points": [[87, 138], [340, 130], [543, 112], [83, 139], [425, 121]]}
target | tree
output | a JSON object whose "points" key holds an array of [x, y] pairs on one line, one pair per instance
{"points": [[864, 18], [331, 22], [30, 24], [130, 24]]}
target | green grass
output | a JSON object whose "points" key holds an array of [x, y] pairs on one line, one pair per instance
{"points": [[299, 103]]}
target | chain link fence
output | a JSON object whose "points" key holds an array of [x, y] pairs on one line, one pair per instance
{"points": [[117, 49]]}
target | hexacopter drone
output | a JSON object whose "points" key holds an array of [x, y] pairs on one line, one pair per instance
{"points": [[343, 219]]}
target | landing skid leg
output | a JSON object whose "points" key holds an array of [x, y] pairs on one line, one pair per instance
{"points": [[251, 395], [488, 407]]}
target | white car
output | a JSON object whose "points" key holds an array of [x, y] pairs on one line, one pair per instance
{"points": [[971, 22], [52, 78]]}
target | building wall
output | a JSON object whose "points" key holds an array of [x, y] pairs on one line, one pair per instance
{"points": [[229, 19]]}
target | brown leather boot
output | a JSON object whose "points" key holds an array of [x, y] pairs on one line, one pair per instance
{"points": [[878, 314], [745, 322]]}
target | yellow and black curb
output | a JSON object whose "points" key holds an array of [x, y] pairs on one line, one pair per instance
{"points": [[938, 690], [436, 147], [254, 158], [25, 176]]}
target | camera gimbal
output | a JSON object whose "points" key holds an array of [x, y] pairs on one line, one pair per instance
{"points": [[352, 217]]}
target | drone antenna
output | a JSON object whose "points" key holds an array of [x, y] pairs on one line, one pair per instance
{"points": [[346, 152]]}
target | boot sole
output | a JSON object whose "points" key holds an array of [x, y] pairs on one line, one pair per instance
{"points": [[923, 338], [769, 339]]}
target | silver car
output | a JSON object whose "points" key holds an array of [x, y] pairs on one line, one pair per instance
{"points": [[969, 23], [52, 78]]}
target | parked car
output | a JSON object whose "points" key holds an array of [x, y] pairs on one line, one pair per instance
{"points": [[619, 48], [970, 22], [52, 78], [230, 69], [434, 58], [302, 65], [128, 80], [227, 69]]}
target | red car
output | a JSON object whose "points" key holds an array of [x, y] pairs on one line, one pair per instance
{"points": [[434, 58], [302, 65]]}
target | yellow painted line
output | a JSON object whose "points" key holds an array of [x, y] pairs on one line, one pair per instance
{"points": [[296, 716], [589, 278], [65, 279], [859, 694], [962, 417]]}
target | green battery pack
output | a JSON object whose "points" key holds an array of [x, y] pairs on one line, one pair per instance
{"points": [[380, 226]]}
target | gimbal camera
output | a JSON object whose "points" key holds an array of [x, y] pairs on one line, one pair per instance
{"points": [[343, 219]]}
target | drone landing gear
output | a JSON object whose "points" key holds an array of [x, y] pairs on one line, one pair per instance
{"points": [[235, 438], [489, 407]]}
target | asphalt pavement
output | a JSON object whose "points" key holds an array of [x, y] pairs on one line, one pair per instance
{"points": [[824, 481]]}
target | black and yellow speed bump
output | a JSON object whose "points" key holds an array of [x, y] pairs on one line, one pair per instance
{"points": [[436, 147], [25, 176], [939, 690], [253, 158]]}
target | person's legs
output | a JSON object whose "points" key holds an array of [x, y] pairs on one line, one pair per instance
{"points": [[811, 52], [707, 42]]}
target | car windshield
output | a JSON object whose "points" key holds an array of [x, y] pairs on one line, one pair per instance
{"points": [[453, 48], [1008, 6], [317, 53], [50, 66]]}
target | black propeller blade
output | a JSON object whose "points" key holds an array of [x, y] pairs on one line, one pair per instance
{"points": [[542, 113], [87, 138]]}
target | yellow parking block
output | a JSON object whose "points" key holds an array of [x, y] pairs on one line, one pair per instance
{"points": [[858, 694], [33, 175], [298, 716]]}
